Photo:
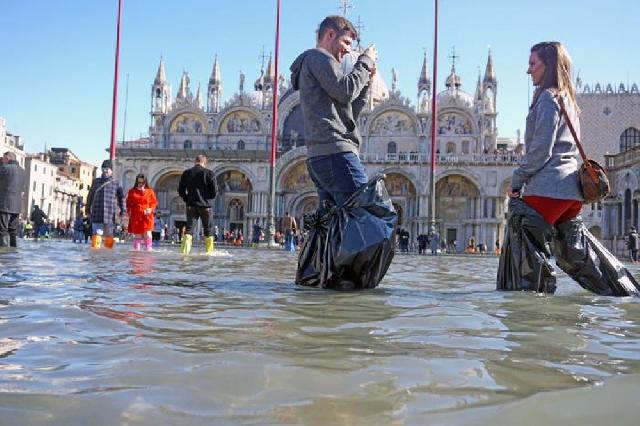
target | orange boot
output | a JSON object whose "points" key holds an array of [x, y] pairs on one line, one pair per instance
{"points": [[108, 242], [96, 240]]}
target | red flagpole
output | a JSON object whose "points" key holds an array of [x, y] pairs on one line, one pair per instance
{"points": [[434, 117], [114, 107], [274, 118], [274, 141]]}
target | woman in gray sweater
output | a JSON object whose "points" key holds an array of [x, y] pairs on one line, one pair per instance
{"points": [[545, 195]]}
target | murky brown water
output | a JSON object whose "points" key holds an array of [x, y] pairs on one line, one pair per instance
{"points": [[119, 337]]}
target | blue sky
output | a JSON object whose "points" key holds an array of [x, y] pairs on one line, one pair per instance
{"points": [[56, 72]]}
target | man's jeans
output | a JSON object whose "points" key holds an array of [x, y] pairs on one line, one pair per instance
{"points": [[336, 176]]}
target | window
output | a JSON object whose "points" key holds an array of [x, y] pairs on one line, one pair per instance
{"points": [[392, 148], [240, 145], [451, 148], [35, 167], [188, 144], [34, 187], [629, 139]]}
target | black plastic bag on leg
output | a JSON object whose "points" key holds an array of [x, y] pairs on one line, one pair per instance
{"points": [[587, 261], [524, 260], [351, 246]]}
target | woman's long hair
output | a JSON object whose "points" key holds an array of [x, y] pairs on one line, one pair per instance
{"points": [[557, 73], [135, 182]]}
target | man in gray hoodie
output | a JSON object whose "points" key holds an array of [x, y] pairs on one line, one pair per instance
{"points": [[331, 103]]}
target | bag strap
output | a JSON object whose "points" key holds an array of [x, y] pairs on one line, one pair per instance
{"points": [[592, 172]]}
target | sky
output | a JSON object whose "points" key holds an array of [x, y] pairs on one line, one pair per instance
{"points": [[57, 56]]}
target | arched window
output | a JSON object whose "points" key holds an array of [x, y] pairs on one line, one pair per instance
{"points": [[629, 139], [240, 145], [451, 148], [188, 144], [392, 148], [627, 209]]}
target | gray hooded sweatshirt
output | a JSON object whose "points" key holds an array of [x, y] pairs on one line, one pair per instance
{"points": [[550, 166], [331, 100]]}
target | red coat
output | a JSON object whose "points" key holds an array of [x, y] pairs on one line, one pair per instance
{"points": [[137, 201]]}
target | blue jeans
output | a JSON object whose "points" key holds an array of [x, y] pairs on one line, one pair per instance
{"points": [[336, 176]]}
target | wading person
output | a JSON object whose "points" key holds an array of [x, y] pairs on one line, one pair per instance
{"points": [[197, 188], [633, 242], [104, 197], [141, 204], [331, 103], [289, 228], [546, 195], [11, 187], [37, 217]]}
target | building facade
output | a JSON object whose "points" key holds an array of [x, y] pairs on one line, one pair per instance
{"points": [[610, 131], [11, 142], [81, 172], [471, 177]]}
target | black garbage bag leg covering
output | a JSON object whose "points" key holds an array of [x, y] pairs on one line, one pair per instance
{"points": [[524, 261], [350, 247], [587, 261]]}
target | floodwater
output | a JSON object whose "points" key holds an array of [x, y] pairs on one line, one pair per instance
{"points": [[119, 337]]}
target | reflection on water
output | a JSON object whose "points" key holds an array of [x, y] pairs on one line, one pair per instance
{"points": [[158, 338]]}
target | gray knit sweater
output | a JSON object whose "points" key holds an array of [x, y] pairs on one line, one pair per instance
{"points": [[331, 101], [550, 166]]}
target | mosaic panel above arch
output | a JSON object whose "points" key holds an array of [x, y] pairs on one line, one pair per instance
{"points": [[399, 185], [188, 122], [453, 197], [297, 179], [451, 123], [240, 122], [233, 181], [393, 123]]}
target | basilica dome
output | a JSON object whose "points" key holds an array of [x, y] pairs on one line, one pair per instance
{"points": [[380, 92], [453, 95]]}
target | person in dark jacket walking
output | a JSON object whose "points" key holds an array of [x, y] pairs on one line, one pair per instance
{"points": [[546, 198], [105, 194], [11, 187], [331, 103], [197, 188], [37, 218], [633, 242]]}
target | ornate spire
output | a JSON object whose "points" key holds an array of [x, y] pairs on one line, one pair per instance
{"points": [[215, 78], [183, 92], [199, 97], [345, 7], [424, 73], [478, 97], [271, 73], [489, 74], [394, 80], [160, 75], [453, 79]]}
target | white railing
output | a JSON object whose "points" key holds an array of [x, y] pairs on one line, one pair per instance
{"points": [[416, 157]]}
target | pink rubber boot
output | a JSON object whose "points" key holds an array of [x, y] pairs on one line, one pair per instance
{"points": [[137, 242], [148, 243]]}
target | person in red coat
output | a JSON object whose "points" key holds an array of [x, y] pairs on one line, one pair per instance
{"points": [[141, 204]]}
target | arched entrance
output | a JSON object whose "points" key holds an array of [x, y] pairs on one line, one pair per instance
{"points": [[233, 200], [235, 213], [172, 209], [457, 206], [403, 196], [305, 206]]}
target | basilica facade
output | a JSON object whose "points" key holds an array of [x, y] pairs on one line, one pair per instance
{"points": [[473, 168]]}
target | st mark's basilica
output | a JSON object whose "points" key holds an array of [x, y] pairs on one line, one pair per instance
{"points": [[473, 165]]}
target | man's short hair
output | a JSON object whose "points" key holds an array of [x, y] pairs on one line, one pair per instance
{"points": [[201, 158], [11, 155], [338, 23]]}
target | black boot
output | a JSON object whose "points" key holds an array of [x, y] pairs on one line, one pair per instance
{"points": [[524, 261], [587, 261]]}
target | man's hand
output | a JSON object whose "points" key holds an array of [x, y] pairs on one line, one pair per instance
{"points": [[513, 194], [147, 211], [371, 52], [373, 72]]}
